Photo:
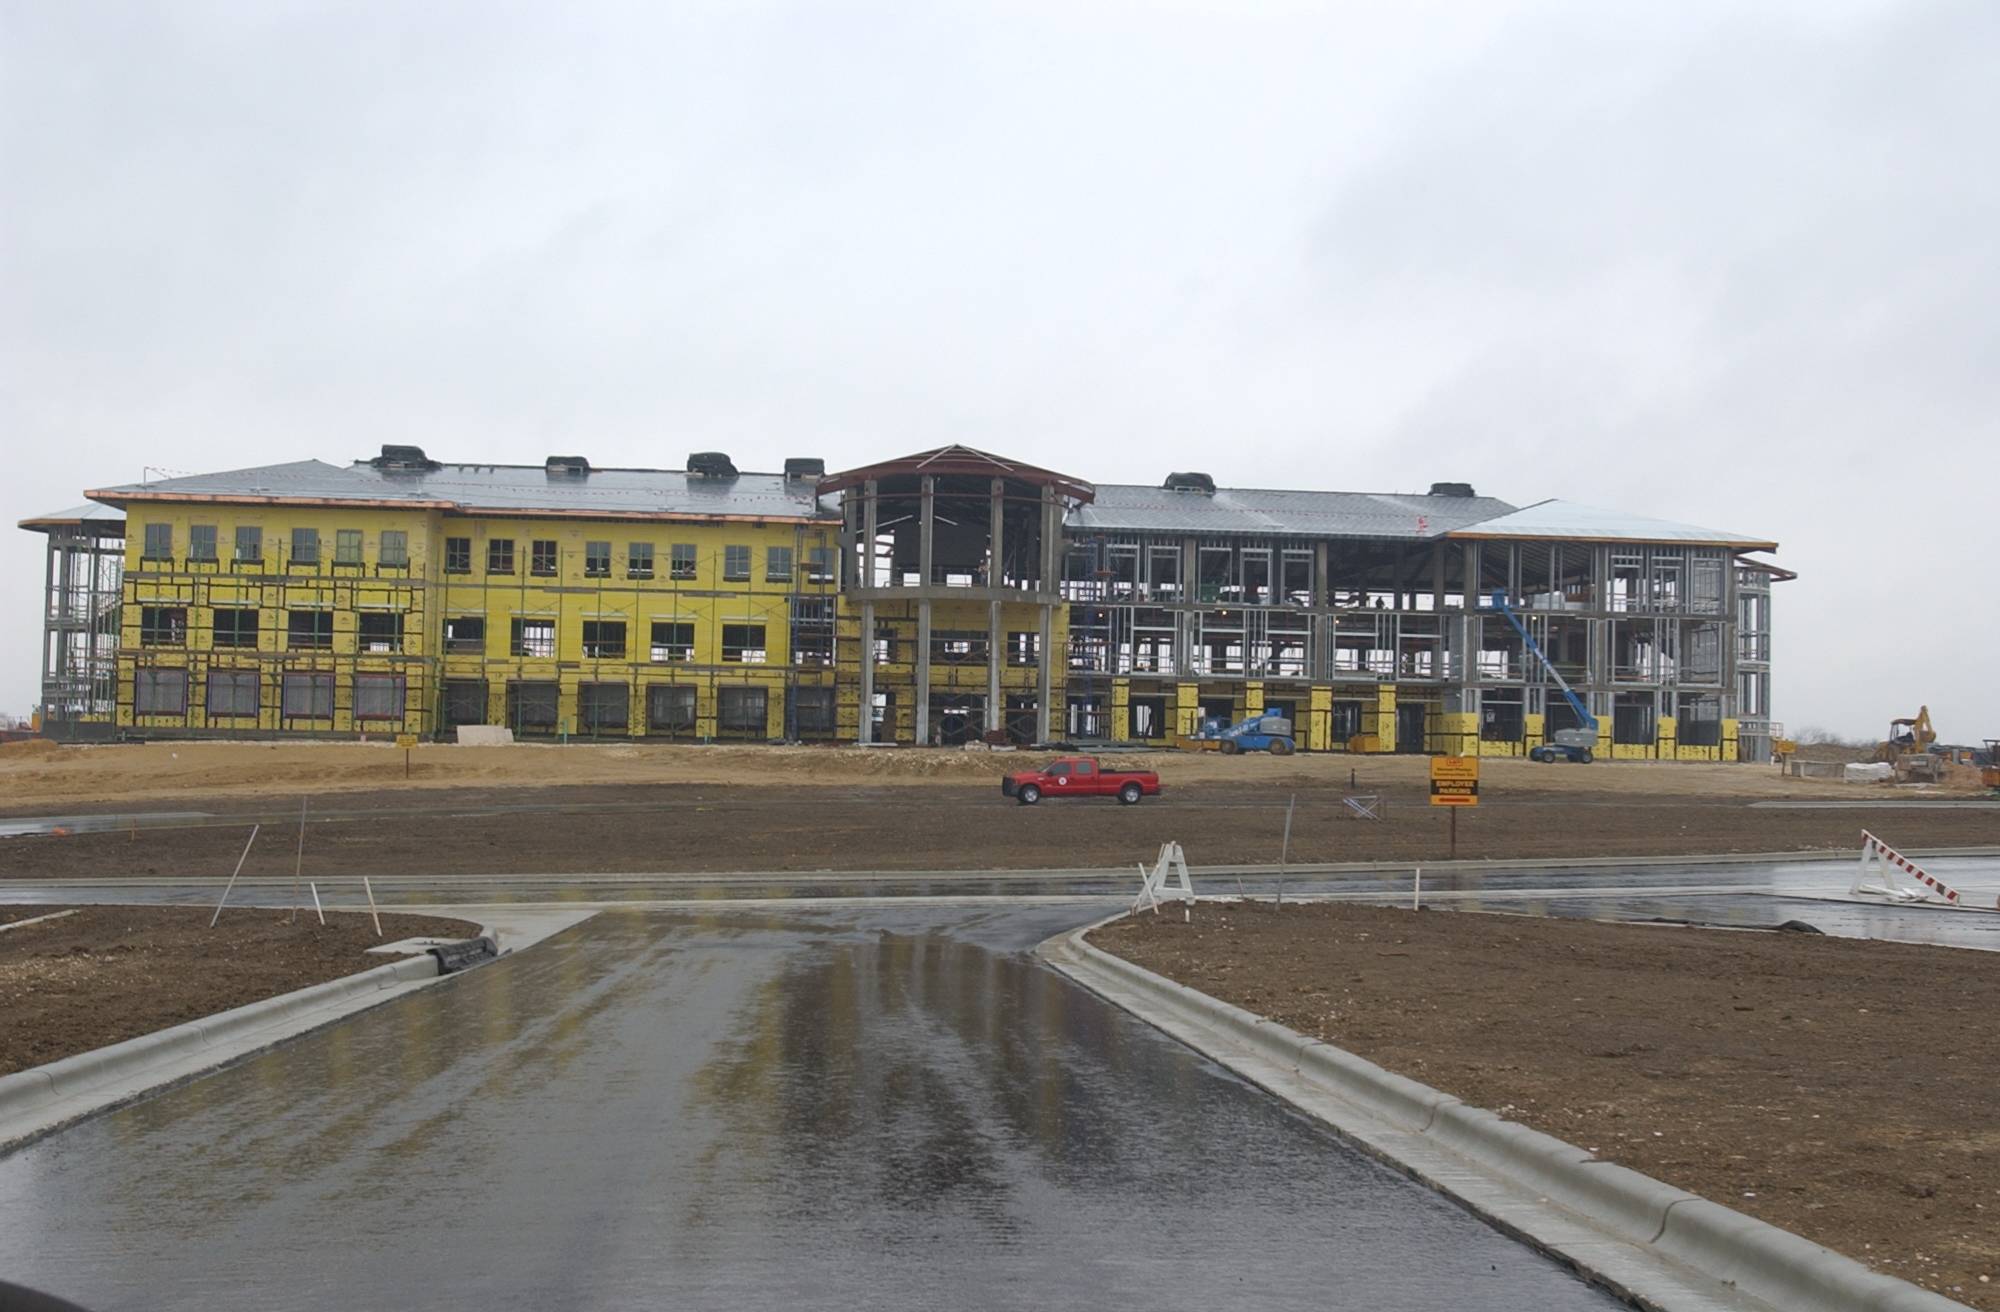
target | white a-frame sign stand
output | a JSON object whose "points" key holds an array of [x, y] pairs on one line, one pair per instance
{"points": [[1167, 879]]}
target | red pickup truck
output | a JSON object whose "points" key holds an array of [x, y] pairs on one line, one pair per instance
{"points": [[1079, 776]]}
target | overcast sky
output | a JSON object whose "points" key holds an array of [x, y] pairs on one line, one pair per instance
{"points": [[1736, 263]]}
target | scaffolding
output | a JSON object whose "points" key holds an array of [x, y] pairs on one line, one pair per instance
{"points": [[82, 594]]}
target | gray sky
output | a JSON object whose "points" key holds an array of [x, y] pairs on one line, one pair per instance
{"points": [[1735, 264]]}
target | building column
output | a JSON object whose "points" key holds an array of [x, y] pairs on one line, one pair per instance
{"points": [[869, 503], [850, 538], [922, 658], [993, 658], [996, 572], [926, 524], [865, 730], [1044, 675], [1185, 623], [996, 569], [1051, 591]]}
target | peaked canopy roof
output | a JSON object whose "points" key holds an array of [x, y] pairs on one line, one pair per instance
{"points": [[101, 521], [1569, 521], [960, 461]]}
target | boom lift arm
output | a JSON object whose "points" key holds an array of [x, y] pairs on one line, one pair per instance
{"points": [[1575, 744]]}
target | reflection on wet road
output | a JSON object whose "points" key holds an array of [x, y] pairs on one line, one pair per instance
{"points": [[1746, 895], [885, 1106]]}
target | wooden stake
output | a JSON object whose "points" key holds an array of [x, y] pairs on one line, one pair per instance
{"points": [[316, 907], [371, 907], [298, 863], [1285, 852], [232, 876]]}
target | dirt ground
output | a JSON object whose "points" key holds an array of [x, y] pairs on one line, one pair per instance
{"points": [[106, 974], [1846, 1090], [50, 777], [937, 826]]}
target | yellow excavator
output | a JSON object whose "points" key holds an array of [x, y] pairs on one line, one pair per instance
{"points": [[1912, 736]]}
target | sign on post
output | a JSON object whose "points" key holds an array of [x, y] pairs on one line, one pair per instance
{"points": [[1454, 781], [406, 741]]}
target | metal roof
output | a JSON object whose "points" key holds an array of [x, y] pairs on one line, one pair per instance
{"points": [[1572, 522], [493, 489], [101, 520], [1778, 573], [1393, 516]]}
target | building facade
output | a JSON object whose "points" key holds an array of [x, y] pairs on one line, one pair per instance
{"points": [[943, 597]]}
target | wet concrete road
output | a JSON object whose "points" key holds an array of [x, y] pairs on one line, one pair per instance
{"points": [[883, 1106], [1736, 894]]}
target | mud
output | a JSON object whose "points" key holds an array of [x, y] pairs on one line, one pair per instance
{"points": [[106, 974], [620, 829], [1846, 1090]]}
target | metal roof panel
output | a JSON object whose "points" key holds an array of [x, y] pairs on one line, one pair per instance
{"points": [[516, 489], [1128, 507], [1570, 520]]}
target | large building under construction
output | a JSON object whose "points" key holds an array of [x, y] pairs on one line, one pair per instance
{"points": [[944, 597]]}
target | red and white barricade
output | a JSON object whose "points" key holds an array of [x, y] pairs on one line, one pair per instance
{"points": [[1883, 870]]}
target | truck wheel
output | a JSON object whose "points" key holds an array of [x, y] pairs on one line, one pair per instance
{"points": [[1029, 795], [1536, 755], [1281, 747], [1584, 757], [1130, 794], [1228, 747]]}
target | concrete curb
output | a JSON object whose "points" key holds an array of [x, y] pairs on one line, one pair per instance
{"points": [[1389, 1112], [44, 1099]]}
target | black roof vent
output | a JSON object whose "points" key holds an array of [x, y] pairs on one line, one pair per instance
{"points": [[1452, 490], [711, 464], [404, 458], [1190, 482], [566, 466], [804, 467]]}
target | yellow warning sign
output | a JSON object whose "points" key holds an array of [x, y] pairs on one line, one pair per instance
{"points": [[1454, 781], [406, 740]]}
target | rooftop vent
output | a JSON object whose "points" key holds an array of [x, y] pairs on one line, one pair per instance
{"points": [[802, 467], [404, 457], [1190, 483], [1452, 490], [566, 466], [711, 464]]}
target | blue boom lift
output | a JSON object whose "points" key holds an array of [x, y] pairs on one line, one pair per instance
{"points": [[1564, 744], [1264, 732]]}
